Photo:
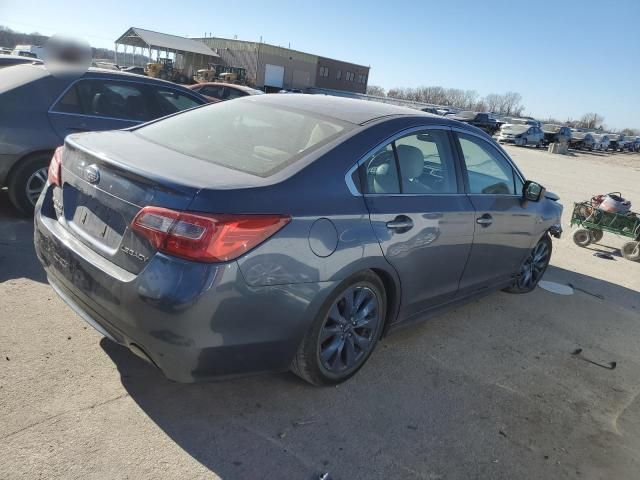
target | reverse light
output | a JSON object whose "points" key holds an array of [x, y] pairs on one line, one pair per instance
{"points": [[203, 237], [55, 168]]}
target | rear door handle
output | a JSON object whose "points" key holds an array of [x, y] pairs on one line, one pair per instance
{"points": [[401, 223], [485, 220]]}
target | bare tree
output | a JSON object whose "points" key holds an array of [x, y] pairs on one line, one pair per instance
{"points": [[591, 120], [376, 90]]}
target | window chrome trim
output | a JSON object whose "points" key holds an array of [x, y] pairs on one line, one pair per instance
{"points": [[498, 148], [408, 131], [137, 82]]}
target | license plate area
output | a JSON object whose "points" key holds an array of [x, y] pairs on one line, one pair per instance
{"points": [[92, 220]]}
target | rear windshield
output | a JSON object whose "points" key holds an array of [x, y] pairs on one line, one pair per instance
{"points": [[245, 135]]}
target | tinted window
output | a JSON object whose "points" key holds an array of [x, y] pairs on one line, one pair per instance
{"points": [[211, 91], [234, 93], [426, 163], [107, 98], [69, 103], [381, 173], [171, 101], [245, 135], [487, 170]]}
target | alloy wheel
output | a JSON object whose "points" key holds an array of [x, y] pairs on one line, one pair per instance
{"points": [[35, 184], [534, 266], [347, 335]]}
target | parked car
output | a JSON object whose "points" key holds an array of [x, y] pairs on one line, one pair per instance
{"points": [[601, 142], [10, 60], [33, 51], [522, 135], [290, 90], [483, 121], [38, 110], [522, 121], [106, 65], [186, 241], [556, 133], [135, 70], [219, 92], [5, 51], [581, 140]]}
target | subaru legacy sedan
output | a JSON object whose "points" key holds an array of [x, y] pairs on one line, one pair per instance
{"points": [[38, 109], [284, 232]]}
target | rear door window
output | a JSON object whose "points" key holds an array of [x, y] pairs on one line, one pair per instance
{"points": [[107, 98]]}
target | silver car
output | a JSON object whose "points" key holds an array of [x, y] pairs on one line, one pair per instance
{"points": [[521, 135]]}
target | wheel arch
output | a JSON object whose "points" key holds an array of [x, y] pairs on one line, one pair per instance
{"points": [[23, 158], [393, 292]]}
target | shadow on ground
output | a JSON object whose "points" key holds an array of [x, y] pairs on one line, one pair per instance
{"points": [[488, 390], [17, 255]]}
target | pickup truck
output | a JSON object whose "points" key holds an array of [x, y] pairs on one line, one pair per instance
{"points": [[483, 121]]}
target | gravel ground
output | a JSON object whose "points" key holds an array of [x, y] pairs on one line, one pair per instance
{"points": [[488, 390]]}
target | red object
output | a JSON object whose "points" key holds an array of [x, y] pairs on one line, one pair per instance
{"points": [[55, 167], [203, 237]]}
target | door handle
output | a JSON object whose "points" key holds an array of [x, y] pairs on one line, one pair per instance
{"points": [[485, 220], [401, 223]]}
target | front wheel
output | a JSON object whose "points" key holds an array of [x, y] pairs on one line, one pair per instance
{"points": [[344, 332], [582, 237], [631, 251], [533, 267]]}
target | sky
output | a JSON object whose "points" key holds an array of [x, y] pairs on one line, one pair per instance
{"points": [[565, 58]]}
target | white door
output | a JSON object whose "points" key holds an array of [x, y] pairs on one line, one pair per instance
{"points": [[273, 75]]}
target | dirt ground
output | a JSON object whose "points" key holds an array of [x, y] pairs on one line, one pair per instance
{"points": [[489, 390]]}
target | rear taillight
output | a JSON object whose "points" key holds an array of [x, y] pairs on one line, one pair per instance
{"points": [[202, 237], [55, 167]]}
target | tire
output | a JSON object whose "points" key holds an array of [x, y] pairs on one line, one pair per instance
{"points": [[314, 357], [596, 235], [539, 144], [631, 251], [27, 180], [524, 142], [533, 268], [582, 237]]}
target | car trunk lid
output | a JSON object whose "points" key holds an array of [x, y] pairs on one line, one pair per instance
{"points": [[104, 185]]}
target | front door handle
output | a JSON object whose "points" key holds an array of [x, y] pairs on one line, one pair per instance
{"points": [[485, 220], [401, 223]]}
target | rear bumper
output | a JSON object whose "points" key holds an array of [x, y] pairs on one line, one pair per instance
{"points": [[194, 321]]}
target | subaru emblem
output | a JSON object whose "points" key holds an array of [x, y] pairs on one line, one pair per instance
{"points": [[92, 174]]}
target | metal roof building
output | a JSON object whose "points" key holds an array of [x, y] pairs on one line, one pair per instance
{"points": [[188, 55]]}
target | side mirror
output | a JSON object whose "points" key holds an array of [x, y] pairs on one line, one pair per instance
{"points": [[532, 191]]}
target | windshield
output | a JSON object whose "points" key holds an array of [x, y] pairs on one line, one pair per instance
{"points": [[245, 135]]}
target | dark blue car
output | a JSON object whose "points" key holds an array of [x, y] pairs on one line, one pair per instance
{"points": [[277, 232], [39, 109]]}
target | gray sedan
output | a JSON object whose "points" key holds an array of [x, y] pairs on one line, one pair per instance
{"points": [[281, 232], [38, 109]]}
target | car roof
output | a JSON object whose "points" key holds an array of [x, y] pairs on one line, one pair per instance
{"points": [[346, 109], [244, 88]]}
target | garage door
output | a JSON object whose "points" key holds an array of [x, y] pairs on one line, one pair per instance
{"points": [[273, 75]]}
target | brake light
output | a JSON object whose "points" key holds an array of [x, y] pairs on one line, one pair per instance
{"points": [[202, 237], [55, 168]]}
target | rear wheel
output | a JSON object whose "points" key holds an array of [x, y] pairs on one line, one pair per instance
{"points": [[27, 181], [344, 333], [631, 251], [596, 235], [533, 267], [582, 237], [524, 142]]}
